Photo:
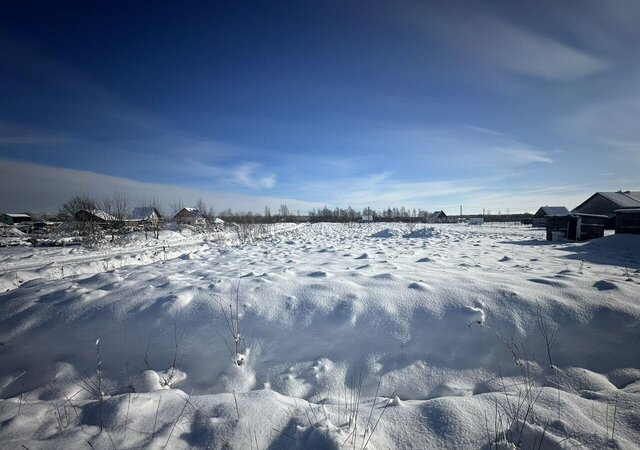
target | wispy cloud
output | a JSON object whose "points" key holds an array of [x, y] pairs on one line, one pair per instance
{"points": [[247, 174], [113, 125], [493, 40], [614, 122], [488, 131], [525, 156], [12, 134], [455, 147], [380, 190]]}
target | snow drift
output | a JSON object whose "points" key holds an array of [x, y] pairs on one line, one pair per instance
{"points": [[415, 346]]}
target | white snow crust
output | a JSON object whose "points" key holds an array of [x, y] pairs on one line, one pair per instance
{"points": [[367, 335]]}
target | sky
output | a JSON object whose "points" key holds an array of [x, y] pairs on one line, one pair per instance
{"points": [[500, 105]]}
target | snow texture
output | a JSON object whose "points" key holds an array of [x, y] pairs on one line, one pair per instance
{"points": [[323, 336]]}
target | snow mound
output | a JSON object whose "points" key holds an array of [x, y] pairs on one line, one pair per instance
{"points": [[615, 242], [12, 232], [421, 233], [386, 233]]}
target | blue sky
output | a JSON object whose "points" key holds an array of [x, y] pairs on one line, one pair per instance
{"points": [[432, 104]]}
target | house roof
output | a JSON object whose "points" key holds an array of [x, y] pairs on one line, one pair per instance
{"points": [[194, 212], [103, 215], [626, 199], [623, 199], [143, 213], [218, 220], [436, 214], [98, 213], [554, 211], [14, 215]]}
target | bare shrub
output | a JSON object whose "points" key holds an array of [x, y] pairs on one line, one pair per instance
{"points": [[168, 380], [548, 333], [231, 314]]}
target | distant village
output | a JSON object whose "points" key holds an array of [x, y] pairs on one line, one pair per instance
{"points": [[619, 211]]}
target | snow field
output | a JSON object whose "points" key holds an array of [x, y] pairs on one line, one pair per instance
{"points": [[358, 335]]}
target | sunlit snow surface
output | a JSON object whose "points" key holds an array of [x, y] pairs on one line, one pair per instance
{"points": [[441, 321]]}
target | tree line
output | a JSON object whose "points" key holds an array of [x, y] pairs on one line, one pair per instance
{"points": [[119, 206]]}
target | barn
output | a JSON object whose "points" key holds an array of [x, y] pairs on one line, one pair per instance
{"points": [[576, 227], [438, 216], [539, 219], [606, 204], [190, 216], [14, 218], [628, 221]]}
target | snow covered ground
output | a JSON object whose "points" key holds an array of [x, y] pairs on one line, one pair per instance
{"points": [[20, 263], [363, 336]]}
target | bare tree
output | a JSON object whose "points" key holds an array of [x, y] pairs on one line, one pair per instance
{"points": [[116, 206], [153, 202], [120, 204], [156, 224], [175, 207], [68, 211], [284, 212], [201, 206]]}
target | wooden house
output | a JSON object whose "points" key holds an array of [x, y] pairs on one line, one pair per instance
{"points": [[190, 216], [438, 216], [14, 218], [628, 221], [575, 227], [539, 219], [606, 204], [94, 215], [144, 215]]}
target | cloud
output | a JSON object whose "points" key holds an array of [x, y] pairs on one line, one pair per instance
{"points": [[247, 175], [33, 187], [454, 148], [111, 125], [488, 131], [612, 122], [12, 134], [492, 40], [380, 190], [525, 156]]}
